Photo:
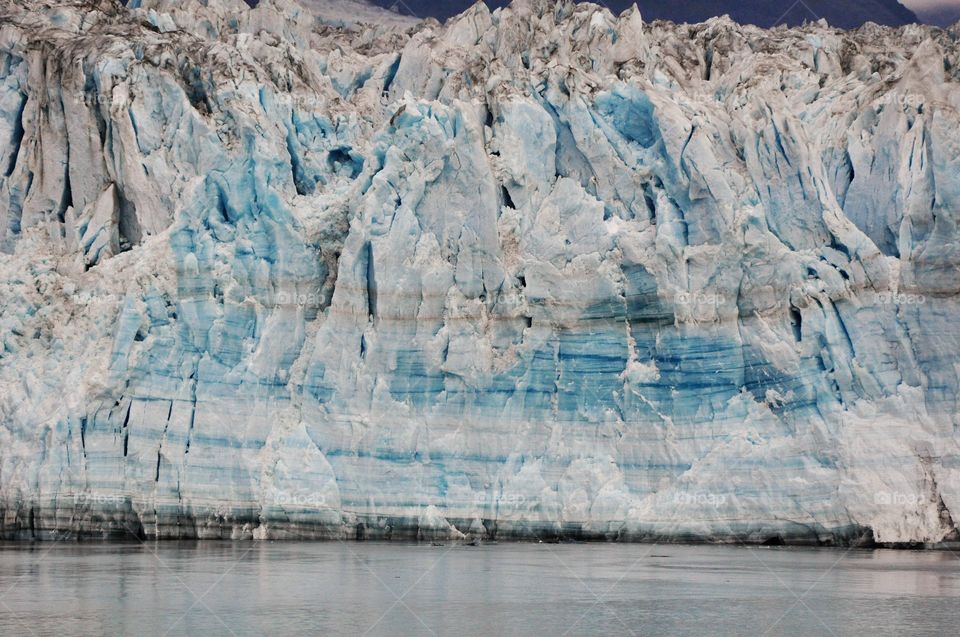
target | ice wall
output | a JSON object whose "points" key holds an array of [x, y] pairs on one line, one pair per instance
{"points": [[536, 273]]}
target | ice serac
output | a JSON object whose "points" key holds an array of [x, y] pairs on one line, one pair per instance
{"points": [[539, 272]]}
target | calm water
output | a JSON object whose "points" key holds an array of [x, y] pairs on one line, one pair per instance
{"points": [[506, 589]]}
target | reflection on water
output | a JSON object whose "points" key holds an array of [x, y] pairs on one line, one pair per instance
{"points": [[505, 589]]}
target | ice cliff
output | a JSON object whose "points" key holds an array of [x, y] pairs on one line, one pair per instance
{"points": [[540, 272]]}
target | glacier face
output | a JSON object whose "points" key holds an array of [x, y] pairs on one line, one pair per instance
{"points": [[543, 271]]}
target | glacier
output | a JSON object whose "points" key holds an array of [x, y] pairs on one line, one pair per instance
{"points": [[543, 272]]}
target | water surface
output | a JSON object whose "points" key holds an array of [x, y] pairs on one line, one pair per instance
{"points": [[505, 589]]}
